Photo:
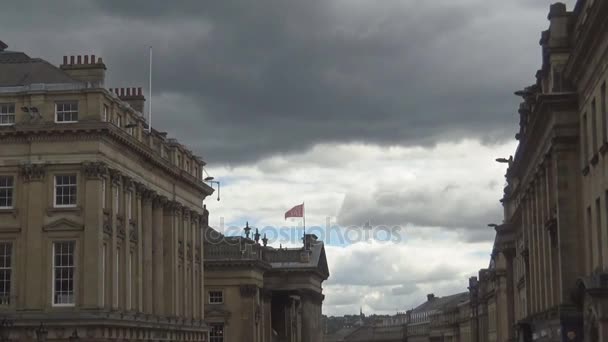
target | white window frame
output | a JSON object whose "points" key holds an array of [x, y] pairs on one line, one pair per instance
{"points": [[6, 250], [10, 189], [209, 296], [104, 252], [75, 204], [117, 278], [71, 112], [73, 266], [129, 205], [105, 112], [217, 338], [5, 113], [103, 193], [118, 120]]}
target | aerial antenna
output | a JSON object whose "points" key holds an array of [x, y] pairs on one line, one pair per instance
{"points": [[150, 94]]}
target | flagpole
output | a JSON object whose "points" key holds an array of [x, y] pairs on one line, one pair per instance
{"points": [[304, 224]]}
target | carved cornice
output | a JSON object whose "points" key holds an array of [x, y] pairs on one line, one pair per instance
{"points": [[95, 170], [248, 290], [140, 189], [33, 172]]}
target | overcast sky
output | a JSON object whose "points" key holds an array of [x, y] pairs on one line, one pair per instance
{"points": [[388, 112]]}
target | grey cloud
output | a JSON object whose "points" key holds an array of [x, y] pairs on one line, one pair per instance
{"points": [[248, 79]]}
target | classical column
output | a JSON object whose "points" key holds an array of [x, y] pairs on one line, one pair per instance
{"points": [[138, 295], [118, 229], [157, 254], [172, 211], [146, 238], [192, 261], [34, 201], [92, 241]]}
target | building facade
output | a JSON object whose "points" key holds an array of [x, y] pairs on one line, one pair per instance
{"points": [[101, 219], [257, 293], [547, 278]]}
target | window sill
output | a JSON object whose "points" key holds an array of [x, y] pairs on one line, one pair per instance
{"points": [[8, 211], [58, 210]]}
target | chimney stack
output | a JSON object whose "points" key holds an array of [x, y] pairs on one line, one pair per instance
{"points": [[430, 297], [133, 96], [85, 69]]}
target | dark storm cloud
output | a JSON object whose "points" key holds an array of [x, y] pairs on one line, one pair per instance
{"points": [[240, 80]]}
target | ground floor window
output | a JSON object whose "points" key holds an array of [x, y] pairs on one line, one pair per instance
{"points": [[63, 273], [217, 332], [6, 252]]}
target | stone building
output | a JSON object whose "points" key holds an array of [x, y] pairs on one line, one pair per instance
{"points": [[100, 220], [547, 278], [257, 293]]}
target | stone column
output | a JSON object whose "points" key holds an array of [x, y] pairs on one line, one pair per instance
{"points": [[311, 328], [146, 238], [139, 282], [248, 294], [34, 196], [192, 261], [93, 235], [114, 246], [170, 258], [157, 255]]}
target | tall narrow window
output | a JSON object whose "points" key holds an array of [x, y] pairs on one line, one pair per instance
{"points": [[129, 270], [129, 206], [217, 332], [103, 193], [7, 114], [604, 113], [585, 135], [594, 125], [65, 190], [6, 192], [117, 200], [104, 251], [66, 112], [104, 114], [598, 230], [118, 120], [63, 273], [6, 270], [116, 277]]}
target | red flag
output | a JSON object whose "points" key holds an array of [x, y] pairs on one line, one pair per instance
{"points": [[297, 211]]}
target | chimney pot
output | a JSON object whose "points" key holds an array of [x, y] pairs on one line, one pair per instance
{"points": [[430, 296], [86, 59], [122, 91], [92, 59], [65, 60], [139, 92], [128, 93], [79, 59], [72, 60]]}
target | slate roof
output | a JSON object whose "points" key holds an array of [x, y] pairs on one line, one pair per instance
{"points": [[19, 69], [442, 303]]}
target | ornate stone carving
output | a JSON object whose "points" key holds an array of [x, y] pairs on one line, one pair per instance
{"points": [[248, 290], [95, 170], [33, 172], [180, 249], [128, 183], [140, 190], [133, 236], [194, 216], [197, 254], [173, 207], [116, 177], [159, 201], [148, 195], [189, 251], [107, 228]]}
